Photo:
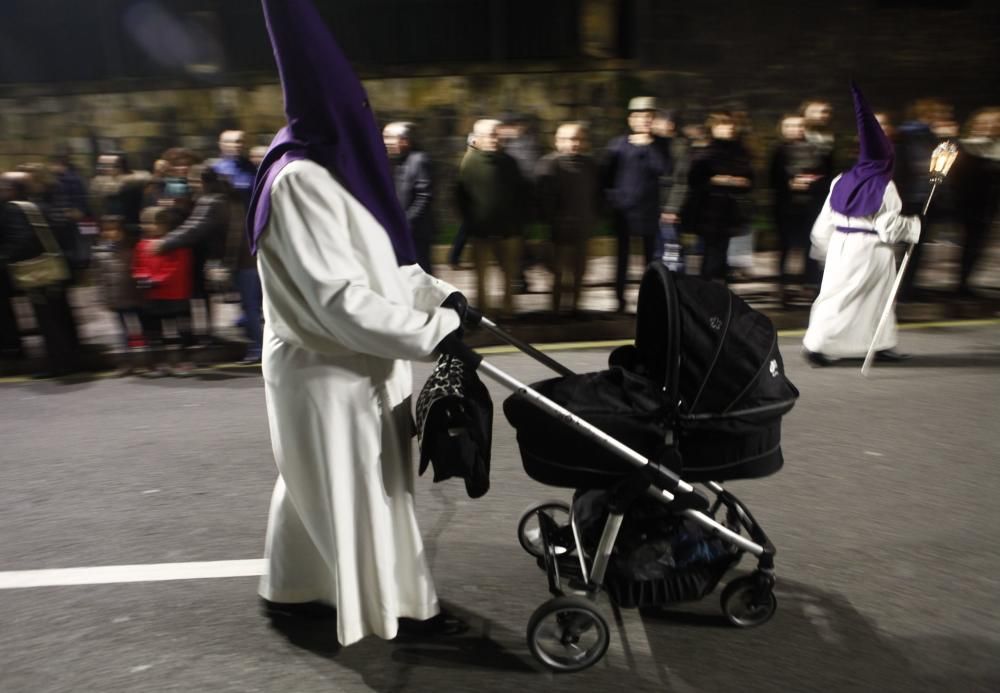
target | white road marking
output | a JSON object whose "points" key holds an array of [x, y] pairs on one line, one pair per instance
{"points": [[111, 574]]}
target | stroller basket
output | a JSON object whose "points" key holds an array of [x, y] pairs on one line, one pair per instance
{"points": [[705, 374], [687, 584]]}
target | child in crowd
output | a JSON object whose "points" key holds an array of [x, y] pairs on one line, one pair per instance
{"points": [[113, 258], [166, 282]]}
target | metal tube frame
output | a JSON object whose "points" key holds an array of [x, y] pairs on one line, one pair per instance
{"points": [[600, 437]]}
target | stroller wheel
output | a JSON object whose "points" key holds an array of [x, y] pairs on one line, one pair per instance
{"points": [[567, 634], [529, 531], [747, 602]]}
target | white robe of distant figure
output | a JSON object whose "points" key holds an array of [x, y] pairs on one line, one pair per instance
{"points": [[343, 321], [858, 276]]}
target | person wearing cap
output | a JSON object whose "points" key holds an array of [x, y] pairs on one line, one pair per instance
{"points": [[347, 309], [861, 220], [632, 167]]}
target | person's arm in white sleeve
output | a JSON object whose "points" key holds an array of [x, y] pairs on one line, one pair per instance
{"points": [[892, 226], [822, 230], [310, 254], [428, 291]]}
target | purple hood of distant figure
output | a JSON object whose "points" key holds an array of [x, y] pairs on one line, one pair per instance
{"points": [[859, 191]]}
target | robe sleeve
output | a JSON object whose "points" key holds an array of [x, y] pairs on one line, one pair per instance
{"points": [[822, 230], [323, 283], [890, 224], [428, 291]]}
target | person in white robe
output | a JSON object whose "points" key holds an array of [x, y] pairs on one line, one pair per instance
{"points": [[854, 235], [346, 309]]}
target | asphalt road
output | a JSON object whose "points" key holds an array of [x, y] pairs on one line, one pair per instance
{"points": [[884, 517]]}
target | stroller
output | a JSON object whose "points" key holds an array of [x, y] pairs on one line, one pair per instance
{"points": [[700, 395]]}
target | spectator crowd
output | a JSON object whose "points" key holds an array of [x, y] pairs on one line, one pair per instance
{"points": [[160, 244]]}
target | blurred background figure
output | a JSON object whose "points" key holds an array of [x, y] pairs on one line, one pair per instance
{"points": [[673, 190], [797, 177], [718, 204], [165, 281], [817, 115], [885, 121], [106, 184], [413, 176], [519, 140], [930, 122], [24, 235], [234, 165], [118, 291], [70, 194], [204, 232], [492, 196], [976, 181], [739, 256], [257, 155], [632, 167], [568, 191]]}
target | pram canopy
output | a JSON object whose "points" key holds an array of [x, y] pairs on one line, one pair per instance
{"points": [[705, 375]]}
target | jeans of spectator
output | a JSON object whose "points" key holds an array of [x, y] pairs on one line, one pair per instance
{"points": [[569, 264], [422, 247], [131, 326], [740, 254], [714, 264], [669, 248], [507, 252], [624, 243], [55, 321], [457, 246], [251, 298], [10, 334], [976, 233], [156, 315]]}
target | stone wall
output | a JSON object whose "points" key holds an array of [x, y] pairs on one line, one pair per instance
{"points": [[762, 57]]}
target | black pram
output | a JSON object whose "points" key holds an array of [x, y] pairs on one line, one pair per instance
{"points": [[700, 396]]}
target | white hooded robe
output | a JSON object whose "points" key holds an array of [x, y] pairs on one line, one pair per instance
{"points": [[343, 320], [858, 277]]}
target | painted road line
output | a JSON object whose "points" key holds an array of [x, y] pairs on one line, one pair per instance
{"points": [[112, 574]]}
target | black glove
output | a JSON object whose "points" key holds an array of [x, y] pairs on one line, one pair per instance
{"points": [[457, 302], [452, 345], [470, 317]]}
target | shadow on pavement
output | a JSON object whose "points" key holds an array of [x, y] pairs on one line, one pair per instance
{"points": [[817, 641]]}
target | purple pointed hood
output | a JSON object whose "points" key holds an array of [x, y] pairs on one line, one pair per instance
{"points": [[859, 191], [329, 122]]}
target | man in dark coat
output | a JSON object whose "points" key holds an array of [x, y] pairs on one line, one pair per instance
{"points": [[632, 167], [930, 123], [412, 174], [492, 196]]}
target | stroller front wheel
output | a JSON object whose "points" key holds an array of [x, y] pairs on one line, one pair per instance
{"points": [[568, 634], [529, 530], [746, 602]]}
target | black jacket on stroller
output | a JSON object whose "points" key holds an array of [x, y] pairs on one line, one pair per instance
{"points": [[703, 390]]}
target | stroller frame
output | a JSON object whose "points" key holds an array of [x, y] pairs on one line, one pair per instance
{"points": [[746, 601]]}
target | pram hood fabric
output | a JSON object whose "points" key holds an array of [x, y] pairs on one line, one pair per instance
{"points": [[705, 373], [716, 356]]}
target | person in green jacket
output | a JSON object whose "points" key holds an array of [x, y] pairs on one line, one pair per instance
{"points": [[492, 197]]}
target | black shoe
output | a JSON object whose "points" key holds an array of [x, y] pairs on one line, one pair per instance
{"points": [[317, 610], [816, 359], [891, 356], [444, 624]]}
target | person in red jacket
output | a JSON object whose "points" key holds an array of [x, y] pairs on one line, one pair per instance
{"points": [[166, 282]]}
